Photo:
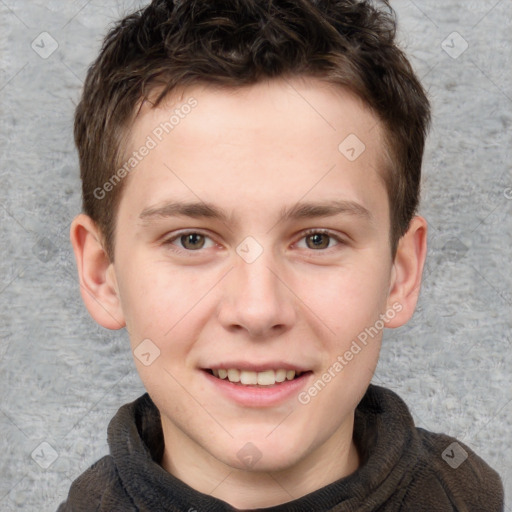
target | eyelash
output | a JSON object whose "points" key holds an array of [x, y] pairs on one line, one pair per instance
{"points": [[169, 242]]}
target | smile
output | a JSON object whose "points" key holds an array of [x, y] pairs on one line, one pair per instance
{"points": [[253, 378]]}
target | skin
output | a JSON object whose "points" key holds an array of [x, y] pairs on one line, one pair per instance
{"points": [[251, 152]]}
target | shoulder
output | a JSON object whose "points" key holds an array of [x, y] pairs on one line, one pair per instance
{"points": [[432, 471], [98, 489], [114, 481], [454, 477]]}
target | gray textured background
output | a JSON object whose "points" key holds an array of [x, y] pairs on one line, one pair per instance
{"points": [[63, 377]]}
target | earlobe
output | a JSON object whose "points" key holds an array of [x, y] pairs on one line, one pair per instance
{"points": [[96, 274], [407, 272]]}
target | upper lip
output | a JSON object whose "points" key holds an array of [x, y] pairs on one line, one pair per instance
{"points": [[260, 367]]}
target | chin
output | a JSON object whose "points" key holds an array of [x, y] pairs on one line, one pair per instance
{"points": [[262, 456], [269, 464]]}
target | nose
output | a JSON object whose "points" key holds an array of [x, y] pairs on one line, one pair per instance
{"points": [[257, 299]]}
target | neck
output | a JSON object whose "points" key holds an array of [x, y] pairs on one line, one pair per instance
{"points": [[336, 458]]}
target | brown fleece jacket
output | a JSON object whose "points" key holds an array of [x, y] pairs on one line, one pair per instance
{"points": [[404, 468]]}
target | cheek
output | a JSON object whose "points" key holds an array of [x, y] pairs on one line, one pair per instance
{"points": [[154, 299], [349, 304], [169, 306], [347, 299]]}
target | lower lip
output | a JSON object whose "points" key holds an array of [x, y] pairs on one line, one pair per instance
{"points": [[259, 396]]}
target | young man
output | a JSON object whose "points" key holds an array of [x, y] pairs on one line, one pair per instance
{"points": [[250, 180]]}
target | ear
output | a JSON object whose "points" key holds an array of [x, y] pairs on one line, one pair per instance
{"points": [[98, 284], [407, 271]]}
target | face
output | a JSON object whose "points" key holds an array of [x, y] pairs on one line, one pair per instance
{"points": [[254, 236]]}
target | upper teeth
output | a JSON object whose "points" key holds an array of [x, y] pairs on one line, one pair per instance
{"points": [[265, 378]]}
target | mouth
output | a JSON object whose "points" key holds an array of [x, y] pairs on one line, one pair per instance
{"points": [[262, 379]]}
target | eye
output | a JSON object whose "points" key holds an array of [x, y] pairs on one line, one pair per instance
{"points": [[320, 239], [189, 240], [193, 241]]}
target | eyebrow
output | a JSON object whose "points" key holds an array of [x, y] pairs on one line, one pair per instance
{"points": [[304, 210]]}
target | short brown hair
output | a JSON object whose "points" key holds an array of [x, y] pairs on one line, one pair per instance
{"points": [[232, 43]]}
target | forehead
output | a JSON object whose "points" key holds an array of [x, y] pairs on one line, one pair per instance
{"points": [[268, 143]]}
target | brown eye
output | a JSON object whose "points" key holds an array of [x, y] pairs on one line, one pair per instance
{"points": [[192, 241], [189, 241], [318, 241]]}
